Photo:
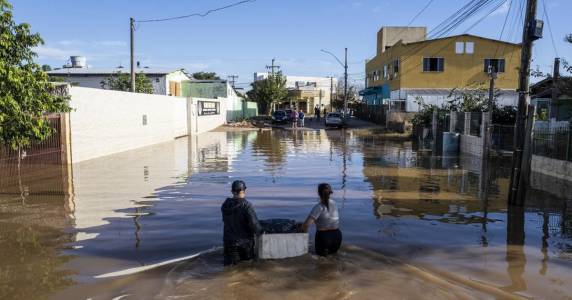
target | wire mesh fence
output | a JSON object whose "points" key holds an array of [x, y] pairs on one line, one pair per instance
{"points": [[554, 143], [502, 137]]}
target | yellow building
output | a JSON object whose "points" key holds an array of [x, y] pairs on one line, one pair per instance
{"points": [[414, 67]]}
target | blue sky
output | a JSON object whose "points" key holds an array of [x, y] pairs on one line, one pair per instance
{"points": [[242, 40]]}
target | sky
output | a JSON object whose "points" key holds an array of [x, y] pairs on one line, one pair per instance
{"points": [[244, 39]]}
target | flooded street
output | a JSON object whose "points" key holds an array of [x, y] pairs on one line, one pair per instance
{"points": [[415, 226]]}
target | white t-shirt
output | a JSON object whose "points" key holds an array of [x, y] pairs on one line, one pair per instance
{"points": [[326, 218]]}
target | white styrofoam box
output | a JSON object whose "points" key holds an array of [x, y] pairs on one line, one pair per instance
{"points": [[282, 245]]}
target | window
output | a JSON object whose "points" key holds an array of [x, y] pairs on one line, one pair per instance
{"points": [[496, 64], [385, 73], [469, 47], [459, 47], [433, 64], [396, 67], [464, 47]]}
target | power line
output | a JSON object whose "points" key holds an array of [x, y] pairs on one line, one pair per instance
{"points": [[549, 27], [202, 15]]}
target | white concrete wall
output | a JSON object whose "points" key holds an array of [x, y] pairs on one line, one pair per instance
{"points": [[200, 124], [106, 122], [560, 169]]}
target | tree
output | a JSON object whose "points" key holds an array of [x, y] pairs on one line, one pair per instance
{"points": [[269, 90], [353, 94], [46, 68], [26, 95], [568, 38], [122, 82], [205, 76]]}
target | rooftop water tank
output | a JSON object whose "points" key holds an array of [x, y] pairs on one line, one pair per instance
{"points": [[78, 61]]}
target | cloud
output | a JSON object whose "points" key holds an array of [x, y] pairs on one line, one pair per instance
{"points": [[45, 52], [92, 44]]}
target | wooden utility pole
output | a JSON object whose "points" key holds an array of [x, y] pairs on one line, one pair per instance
{"points": [[331, 91], [272, 67], [346, 84], [554, 96], [132, 52], [489, 120], [517, 190], [233, 79]]}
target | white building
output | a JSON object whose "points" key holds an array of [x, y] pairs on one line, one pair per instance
{"points": [[306, 91], [165, 81]]}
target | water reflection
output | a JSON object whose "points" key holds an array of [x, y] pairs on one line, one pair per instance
{"points": [[442, 213]]}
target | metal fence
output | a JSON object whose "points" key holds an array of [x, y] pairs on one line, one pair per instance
{"points": [[372, 113], [502, 137], [553, 143], [40, 162], [476, 122]]}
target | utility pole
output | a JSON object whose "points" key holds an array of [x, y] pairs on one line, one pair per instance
{"points": [[555, 79], [233, 79], [272, 67], [489, 120], [518, 178], [132, 52], [331, 90], [346, 84]]}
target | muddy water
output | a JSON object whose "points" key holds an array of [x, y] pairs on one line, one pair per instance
{"points": [[415, 226]]}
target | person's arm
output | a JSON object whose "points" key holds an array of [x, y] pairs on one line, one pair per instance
{"points": [[314, 215], [253, 220], [309, 221]]}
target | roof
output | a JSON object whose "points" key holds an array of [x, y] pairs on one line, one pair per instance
{"points": [[465, 34], [108, 71]]}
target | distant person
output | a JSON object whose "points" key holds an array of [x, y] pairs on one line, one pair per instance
{"points": [[240, 226], [301, 117], [325, 215], [317, 113], [295, 118]]}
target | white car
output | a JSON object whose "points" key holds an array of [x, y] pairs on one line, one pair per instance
{"points": [[334, 119]]}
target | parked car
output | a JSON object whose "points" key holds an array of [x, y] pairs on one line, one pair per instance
{"points": [[334, 119], [289, 114], [280, 116]]}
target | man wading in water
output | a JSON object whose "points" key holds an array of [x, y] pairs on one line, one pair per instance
{"points": [[240, 226]]}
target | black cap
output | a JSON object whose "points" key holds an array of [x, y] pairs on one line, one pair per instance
{"points": [[238, 186]]}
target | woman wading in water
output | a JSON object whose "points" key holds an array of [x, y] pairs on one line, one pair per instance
{"points": [[325, 216]]}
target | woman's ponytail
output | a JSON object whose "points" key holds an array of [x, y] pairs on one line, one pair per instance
{"points": [[324, 191]]}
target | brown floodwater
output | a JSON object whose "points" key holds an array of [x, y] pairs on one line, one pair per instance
{"points": [[415, 226]]}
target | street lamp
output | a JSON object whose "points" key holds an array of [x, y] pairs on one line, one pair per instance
{"points": [[345, 66]]}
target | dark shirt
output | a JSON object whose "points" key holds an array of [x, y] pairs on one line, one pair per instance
{"points": [[240, 221]]}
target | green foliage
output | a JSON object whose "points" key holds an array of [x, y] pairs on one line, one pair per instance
{"points": [[122, 82], [269, 90], [205, 76], [568, 38], [474, 98], [26, 95], [46, 68], [424, 117]]}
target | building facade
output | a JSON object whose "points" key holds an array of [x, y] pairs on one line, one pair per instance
{"points": [[408, 68], [167, 82], [305, 92]]}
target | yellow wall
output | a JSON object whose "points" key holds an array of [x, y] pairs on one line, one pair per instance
{"points": [[460, 69]]}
